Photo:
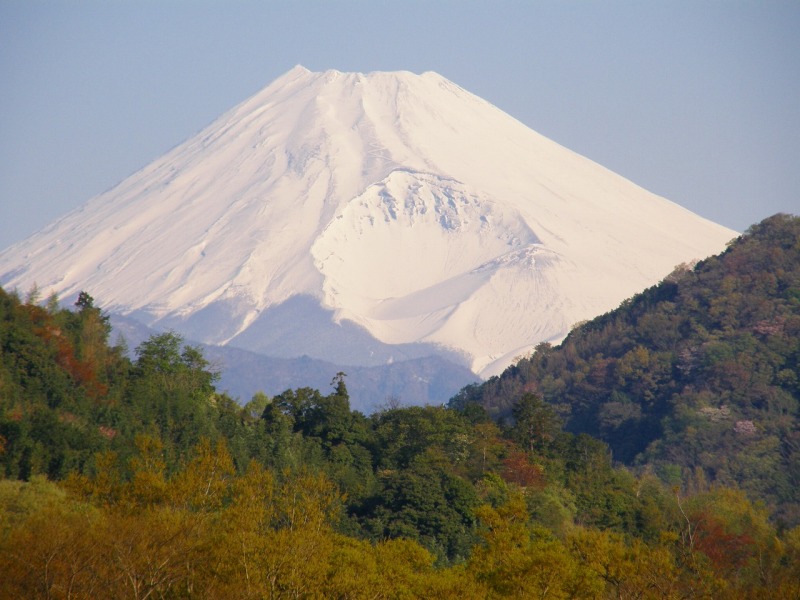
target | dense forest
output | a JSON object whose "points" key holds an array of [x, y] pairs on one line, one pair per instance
{"points": [[615, 466]]}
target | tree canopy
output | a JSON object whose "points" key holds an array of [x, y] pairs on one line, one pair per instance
{"points": [[653, 455]]}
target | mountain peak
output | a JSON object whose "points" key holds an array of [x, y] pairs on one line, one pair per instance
{"points": [[407, 207]]}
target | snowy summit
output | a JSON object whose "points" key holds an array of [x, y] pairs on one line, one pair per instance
{"points": [[365, 218]]}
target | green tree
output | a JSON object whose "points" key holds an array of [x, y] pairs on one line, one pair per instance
{"points": [[535, 423]]}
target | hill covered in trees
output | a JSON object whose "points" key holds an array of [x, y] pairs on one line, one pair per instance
{"points": [[134, 477], [697, 378]]}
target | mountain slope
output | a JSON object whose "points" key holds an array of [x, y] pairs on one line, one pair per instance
{"points": [[410, 210], [698, 376]]}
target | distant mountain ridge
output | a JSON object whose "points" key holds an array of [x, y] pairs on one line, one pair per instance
{"points": [[415, 380], [410, 216]]}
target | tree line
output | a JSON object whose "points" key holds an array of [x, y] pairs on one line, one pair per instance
{"points": [[136, 478]]}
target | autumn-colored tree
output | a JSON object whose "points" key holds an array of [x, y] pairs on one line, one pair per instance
{"points": [[521, 471], [515, 562], [629, 571]]}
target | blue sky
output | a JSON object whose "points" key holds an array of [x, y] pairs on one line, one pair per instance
{"points": [[696, 101]]}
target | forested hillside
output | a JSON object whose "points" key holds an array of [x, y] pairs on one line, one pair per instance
{"points": [[135, 478], [697, 378]]}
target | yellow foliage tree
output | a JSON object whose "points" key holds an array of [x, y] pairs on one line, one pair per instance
{"points": [[515, 562]]}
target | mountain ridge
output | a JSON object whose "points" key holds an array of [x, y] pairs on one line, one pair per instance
{"points": [[697, 378], [408, 376], [401, 203]]}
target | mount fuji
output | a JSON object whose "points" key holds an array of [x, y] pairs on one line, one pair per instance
{"points": [[365, 219]]}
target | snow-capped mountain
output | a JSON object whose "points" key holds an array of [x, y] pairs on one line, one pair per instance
{"points": [[365, 218]]}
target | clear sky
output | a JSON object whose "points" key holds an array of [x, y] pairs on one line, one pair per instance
{"points": [[696, 101]]}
